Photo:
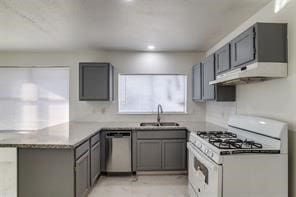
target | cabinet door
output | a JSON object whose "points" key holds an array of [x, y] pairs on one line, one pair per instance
{"points": [[197, 82], [174, 154], [95, 167], [149, 155], [208, 75], [222, 59], [95, 81], [82, 175], [243, 48]]}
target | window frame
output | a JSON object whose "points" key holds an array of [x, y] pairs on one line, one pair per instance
{"points": [[150, 113], [36, 123]]}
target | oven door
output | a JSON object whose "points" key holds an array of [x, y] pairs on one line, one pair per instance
{"points": [[205, 176]]}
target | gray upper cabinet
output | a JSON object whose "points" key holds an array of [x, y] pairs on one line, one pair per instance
{"points": [[149, 155], [263, 42], [96, 81], [208, 75], [243, 48], [222, 59], [271, 42], [202, 91], [82, 175], [174, 154], [197, 82]]}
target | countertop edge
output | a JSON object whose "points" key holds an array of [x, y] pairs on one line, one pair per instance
{"points": [[73, 146]]}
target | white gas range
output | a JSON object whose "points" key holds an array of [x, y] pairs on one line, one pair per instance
{"points": [[249, 159]]}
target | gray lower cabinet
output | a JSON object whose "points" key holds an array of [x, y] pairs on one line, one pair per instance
{"points": [[149, 155], [82, 175], [46, 172], [59, 172], [95, 166], [161, 150], [174, 154]]}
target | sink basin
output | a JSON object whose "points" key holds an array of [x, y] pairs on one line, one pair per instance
{"points": [[169, 124], [161, 124]]}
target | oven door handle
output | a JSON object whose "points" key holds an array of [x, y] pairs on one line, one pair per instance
{"points": [[199, 167]]}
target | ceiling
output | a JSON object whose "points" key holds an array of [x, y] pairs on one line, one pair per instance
{"points": [[170, 25]]}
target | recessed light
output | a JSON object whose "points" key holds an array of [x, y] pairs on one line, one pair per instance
{"points": [[279, 5], [151, 47], [262, 122], [128, 0]]}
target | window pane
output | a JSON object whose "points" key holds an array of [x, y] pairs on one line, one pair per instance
{"points": [[33, 98], [142, 93]]}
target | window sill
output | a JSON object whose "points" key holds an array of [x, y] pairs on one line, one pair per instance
{"points": [[151, 113]]}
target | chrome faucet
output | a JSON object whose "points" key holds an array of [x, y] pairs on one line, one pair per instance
{"points": [[159, 109]]}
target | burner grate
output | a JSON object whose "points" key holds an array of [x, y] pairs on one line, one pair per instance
{"points": [[228, 140], [234, 143], [216, 134]]}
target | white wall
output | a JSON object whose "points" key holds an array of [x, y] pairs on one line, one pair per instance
{"points": [[124, 62], [275, 98]]}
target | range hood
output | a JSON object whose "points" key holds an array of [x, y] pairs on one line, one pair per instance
{"points": [[258, 71]]}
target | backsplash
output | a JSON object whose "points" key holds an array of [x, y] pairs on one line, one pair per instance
{"points": [[219, 112], [124, 62]]}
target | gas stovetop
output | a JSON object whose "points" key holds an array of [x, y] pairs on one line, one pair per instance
{"points": [[230, 143], [243, 136], [228, 140]]}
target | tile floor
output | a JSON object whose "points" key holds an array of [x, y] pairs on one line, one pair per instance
{"points": [[141, 186]]}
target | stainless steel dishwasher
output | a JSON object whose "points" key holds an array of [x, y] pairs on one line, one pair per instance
{"points": [[118, 152]]}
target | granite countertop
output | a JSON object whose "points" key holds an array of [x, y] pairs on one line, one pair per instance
{"points": [[69, 135]]}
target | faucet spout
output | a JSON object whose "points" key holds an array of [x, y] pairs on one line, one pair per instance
{"points": [[159, 110]]}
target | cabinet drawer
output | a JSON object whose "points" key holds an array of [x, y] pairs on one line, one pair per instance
{"points": [[162, 134], [95, 139], [80, 150]]}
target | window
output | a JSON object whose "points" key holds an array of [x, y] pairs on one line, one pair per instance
{"points": [[33, 98], [142, 93]]}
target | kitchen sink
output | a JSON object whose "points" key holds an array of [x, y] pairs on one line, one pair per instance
{"points": [[161, 124]]}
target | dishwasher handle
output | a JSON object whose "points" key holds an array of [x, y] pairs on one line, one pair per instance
{"points": [[118, 135]]}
